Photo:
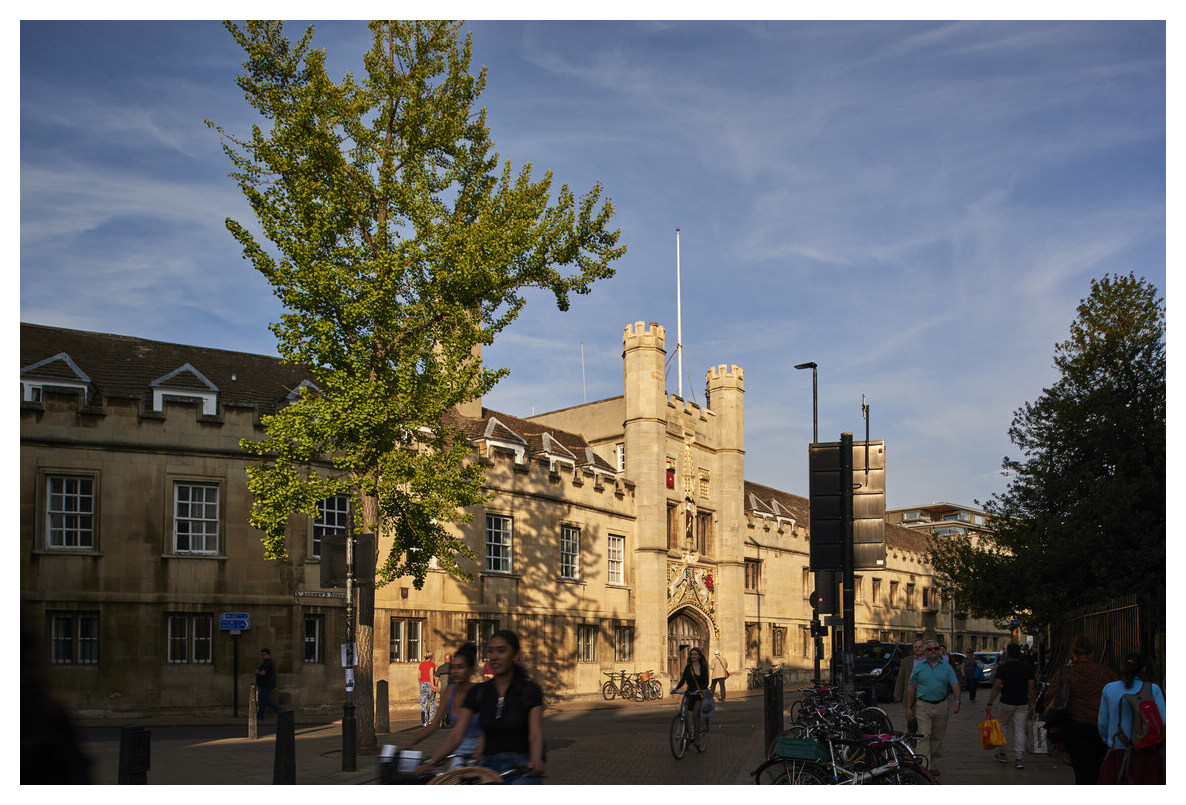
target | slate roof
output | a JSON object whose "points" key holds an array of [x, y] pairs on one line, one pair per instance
{"points": [[120, 365], [538, 440]]}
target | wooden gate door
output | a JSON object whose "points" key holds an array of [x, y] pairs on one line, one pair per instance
{"points": [[683, 632]]}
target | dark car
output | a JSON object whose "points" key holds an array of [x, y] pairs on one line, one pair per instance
{"points": [[876, 667]]}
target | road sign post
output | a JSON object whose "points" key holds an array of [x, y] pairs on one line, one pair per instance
{"points": [[236, 623]]}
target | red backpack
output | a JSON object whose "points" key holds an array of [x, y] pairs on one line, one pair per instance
{"points": [[1148, 729]]}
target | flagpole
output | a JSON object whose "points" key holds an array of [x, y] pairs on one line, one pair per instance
{"points": [[679, 322]]}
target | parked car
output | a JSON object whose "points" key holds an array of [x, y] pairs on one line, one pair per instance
{"points": [[988, 661], [876, 667]]}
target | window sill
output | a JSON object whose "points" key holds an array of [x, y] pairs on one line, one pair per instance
{"points": [[66, 552], [217, 556], [618, 586], [575, 582]]}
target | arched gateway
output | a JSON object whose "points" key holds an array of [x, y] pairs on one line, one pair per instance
{"points": [[685, 628]]}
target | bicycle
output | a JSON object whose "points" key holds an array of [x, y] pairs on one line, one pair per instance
{"points": [[617, 687], [399, 768], [839, 759], [646, 686], [682, 732]]}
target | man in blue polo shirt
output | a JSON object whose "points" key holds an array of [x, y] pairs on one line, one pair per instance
{"points": [[932, 681]]}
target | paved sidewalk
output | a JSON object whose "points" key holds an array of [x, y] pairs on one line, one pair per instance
{"points": [[219, 752]]}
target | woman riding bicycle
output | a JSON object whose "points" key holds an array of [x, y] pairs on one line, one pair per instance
{"points": [[695, 676], [509, 708], [461, 671]]}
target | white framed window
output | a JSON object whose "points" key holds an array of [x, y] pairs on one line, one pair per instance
{"points": [[333, 517], [407, 643], [623, 643], [499, 557], [616, 554], [315, 639], [586, 643], [69, 512], [74, 638], [190, 639], [195, 517], [620, 456], [570, 552]]}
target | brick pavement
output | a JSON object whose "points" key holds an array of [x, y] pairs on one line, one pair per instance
{"points": [[627, 752]]}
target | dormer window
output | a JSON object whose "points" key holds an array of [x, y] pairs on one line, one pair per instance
{"points": [[185, 382], [60, 371], [558, 454], [499, 435]]}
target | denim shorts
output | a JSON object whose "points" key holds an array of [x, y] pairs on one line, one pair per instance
{"points": [[505, 761]]}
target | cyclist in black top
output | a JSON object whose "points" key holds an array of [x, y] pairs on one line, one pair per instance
{"points": [[510, 709], [695, 676]]}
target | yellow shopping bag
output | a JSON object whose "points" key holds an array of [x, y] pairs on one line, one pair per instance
{"points": [[990, 734]]}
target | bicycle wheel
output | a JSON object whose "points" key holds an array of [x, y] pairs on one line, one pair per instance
{"points": [[909, 775], [468, 775], [656, 689], [609, 691], [703, 737], [877, 719], [628, 691], [679, 737], [802, 772]]}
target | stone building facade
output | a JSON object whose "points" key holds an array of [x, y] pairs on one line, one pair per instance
{"points": [[620, 533]]}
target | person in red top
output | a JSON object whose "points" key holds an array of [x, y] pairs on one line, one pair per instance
{"points": [[428, 691]]}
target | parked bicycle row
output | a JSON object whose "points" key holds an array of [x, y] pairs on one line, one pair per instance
{"points": [[640, 686], [833, 739]]}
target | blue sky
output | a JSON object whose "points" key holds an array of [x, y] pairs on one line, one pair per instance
{"points": [[918, 207]]}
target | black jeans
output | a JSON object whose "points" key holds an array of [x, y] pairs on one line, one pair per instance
{"points": [[265, 700], [713, 687], [1083, 744]]}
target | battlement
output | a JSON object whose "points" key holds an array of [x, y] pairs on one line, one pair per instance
{"points": [[725, 376], [640, 334]]}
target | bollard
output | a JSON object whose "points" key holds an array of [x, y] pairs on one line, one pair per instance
{"points": [[252, 711], [135, 749], [284, 766], [382, 714]]}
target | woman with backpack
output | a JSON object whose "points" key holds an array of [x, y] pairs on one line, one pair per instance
{"points": [[1132, 725]]}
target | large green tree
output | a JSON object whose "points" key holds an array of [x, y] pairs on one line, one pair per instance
{"points": [[1083, 515], [398, 246]]}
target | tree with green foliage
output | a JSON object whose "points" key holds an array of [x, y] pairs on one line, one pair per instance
{"points": [[398, 249], [1083, 516]]}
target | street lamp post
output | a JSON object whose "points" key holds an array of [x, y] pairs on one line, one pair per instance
{"points": [[814, 399], [824, 576]]}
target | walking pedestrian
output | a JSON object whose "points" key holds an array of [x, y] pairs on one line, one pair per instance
{"points": [[443, 674], [720, 672], [1125, 764], [904, 671], [1014, 684], [428, 690], [972, 673], [265, 682], [932, 681], [1080, 735]]}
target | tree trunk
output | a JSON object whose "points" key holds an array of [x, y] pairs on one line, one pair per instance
{"points": [[364, 683]]}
